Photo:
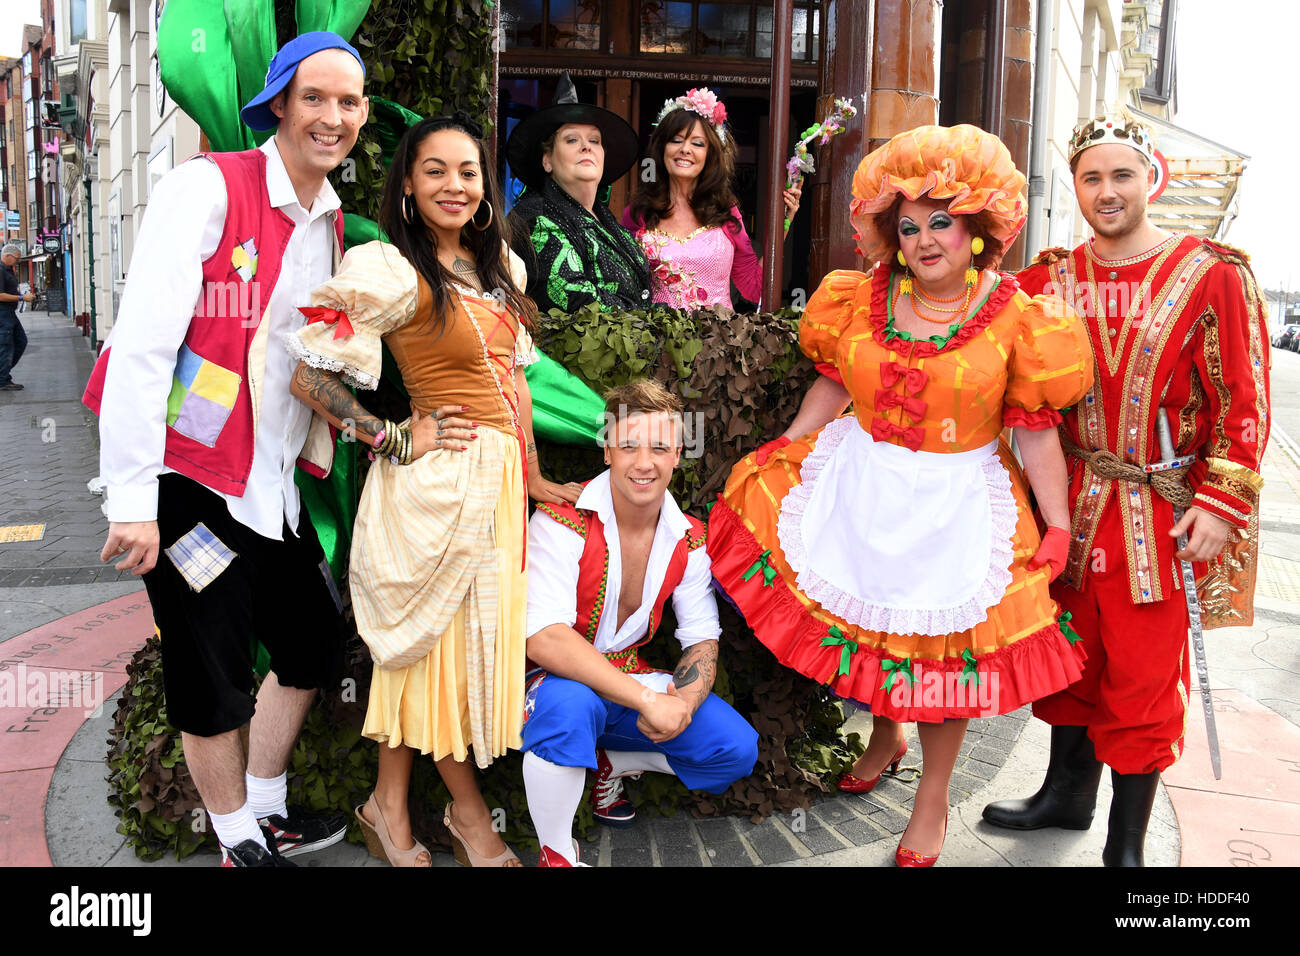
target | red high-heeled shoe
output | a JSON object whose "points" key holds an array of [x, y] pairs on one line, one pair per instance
{"points": [[906, 857], [848, 783]]}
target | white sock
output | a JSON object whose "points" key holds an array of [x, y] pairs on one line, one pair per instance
{"points": [[635, 761], [554, 793], [234, 828], [267, 795]]}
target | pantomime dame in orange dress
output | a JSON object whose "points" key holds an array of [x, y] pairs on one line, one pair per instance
{"points": [[892, 553]]}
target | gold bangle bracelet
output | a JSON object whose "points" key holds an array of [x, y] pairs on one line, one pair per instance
{"points": [[390, 437]]}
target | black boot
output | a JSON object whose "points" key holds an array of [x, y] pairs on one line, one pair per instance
{"points": [[1130, 809], [1068, 795]]}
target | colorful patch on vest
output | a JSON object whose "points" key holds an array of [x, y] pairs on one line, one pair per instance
{"points": [[202, 397], [243, 258]]}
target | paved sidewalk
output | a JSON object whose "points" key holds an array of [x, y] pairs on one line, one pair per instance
{"points": [[62, 613]]}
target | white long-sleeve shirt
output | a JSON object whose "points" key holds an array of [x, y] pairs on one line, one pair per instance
{"points": [[182, 227], [555, 550]]}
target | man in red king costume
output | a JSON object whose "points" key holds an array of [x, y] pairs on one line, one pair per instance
{"points": [[1178, 329]]}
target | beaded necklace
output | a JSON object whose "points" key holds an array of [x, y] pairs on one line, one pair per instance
{"points": [[938, 340]]}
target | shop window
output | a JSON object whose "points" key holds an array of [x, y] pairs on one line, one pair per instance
{"points": [[77, 21], [726, 28], [666, 26], [805, 39], [551, 24]]}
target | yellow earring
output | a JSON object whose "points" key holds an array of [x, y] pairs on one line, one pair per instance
{"points": [[973, 274], [905, 283]]}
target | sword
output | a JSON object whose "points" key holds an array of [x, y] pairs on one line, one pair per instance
{"points": [[1193, 603]]}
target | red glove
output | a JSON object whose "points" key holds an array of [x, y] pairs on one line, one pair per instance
{"points": [[1052, 552], [762, 451]]}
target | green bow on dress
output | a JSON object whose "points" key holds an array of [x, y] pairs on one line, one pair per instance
{"points": [[847, 646]]}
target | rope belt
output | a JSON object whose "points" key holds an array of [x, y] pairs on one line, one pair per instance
{"points": [[1170, 485]]}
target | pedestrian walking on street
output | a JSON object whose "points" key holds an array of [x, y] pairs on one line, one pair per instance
{"points": [[13, 338]]}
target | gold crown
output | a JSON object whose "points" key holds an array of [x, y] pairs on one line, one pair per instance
{"points": [[1113, 128]]}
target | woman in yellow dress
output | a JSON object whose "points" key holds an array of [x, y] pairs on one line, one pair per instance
{"points": [[892, 553], [437, 566]]}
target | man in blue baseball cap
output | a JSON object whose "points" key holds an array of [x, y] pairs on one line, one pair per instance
{"points": [[200, 438]]}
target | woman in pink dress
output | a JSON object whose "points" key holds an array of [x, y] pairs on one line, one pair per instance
{"points": [[686, 217]]}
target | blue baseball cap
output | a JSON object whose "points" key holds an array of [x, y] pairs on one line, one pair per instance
{"points": [[257, 112]]}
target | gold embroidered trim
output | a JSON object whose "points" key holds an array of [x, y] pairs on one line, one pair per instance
{"points": [[688, 238], [1231, 469], [1187, 415], [1220, 506], [1214, 364], [1131, 260], [1231, 486], [1135, 416]]}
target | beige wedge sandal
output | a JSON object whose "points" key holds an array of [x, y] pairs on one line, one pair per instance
{"points": [[466, 855], [380, 844]]}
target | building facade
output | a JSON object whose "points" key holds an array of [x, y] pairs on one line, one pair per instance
{"points": [[1027, 69]]}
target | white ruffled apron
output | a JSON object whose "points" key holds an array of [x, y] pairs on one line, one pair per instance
{"points": [[899, 541]]}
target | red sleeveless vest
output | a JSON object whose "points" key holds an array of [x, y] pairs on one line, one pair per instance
{"points": [[593, 577], [210, 408]]}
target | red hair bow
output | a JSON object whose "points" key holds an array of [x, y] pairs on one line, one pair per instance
{"points": [[342, 327], [891, 373], [882, 430]]}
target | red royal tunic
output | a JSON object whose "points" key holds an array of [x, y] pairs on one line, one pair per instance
{"points": [[1179, 329]]}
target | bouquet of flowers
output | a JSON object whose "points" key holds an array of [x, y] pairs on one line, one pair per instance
{"points": [[801, 163]]}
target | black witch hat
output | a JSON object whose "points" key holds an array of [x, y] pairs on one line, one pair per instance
{"points": [[524, 148]]}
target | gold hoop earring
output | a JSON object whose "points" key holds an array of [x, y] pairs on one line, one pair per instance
{"points": [[406, 217], [491, 213]]}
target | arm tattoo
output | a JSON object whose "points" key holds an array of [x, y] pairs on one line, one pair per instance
{"points": [[697, 669], [323, 391]]}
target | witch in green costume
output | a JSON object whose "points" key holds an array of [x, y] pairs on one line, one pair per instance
{"points": [[575, 250]]}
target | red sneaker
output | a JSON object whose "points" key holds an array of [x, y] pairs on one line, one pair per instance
{"points": [[549, 857], [608, 805]]}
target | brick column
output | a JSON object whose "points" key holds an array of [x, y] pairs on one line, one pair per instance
{"points": [[890, 50]]}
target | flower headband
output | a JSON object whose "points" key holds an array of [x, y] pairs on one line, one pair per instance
{"points": [[703, 102]]}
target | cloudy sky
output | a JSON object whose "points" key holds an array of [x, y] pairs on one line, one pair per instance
{"points": [[1235, 75]]}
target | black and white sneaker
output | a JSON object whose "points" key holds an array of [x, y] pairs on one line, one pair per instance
{"points": [[252, 853], [304, 831]]}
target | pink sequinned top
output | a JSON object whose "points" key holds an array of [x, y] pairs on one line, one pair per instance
{"points": [[699, 270]]}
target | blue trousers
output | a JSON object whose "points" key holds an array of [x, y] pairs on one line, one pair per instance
{"points": [[13, 342], [566, 721]]}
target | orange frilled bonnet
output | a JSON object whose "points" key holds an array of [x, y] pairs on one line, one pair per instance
{"points": [[961, 163]]}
